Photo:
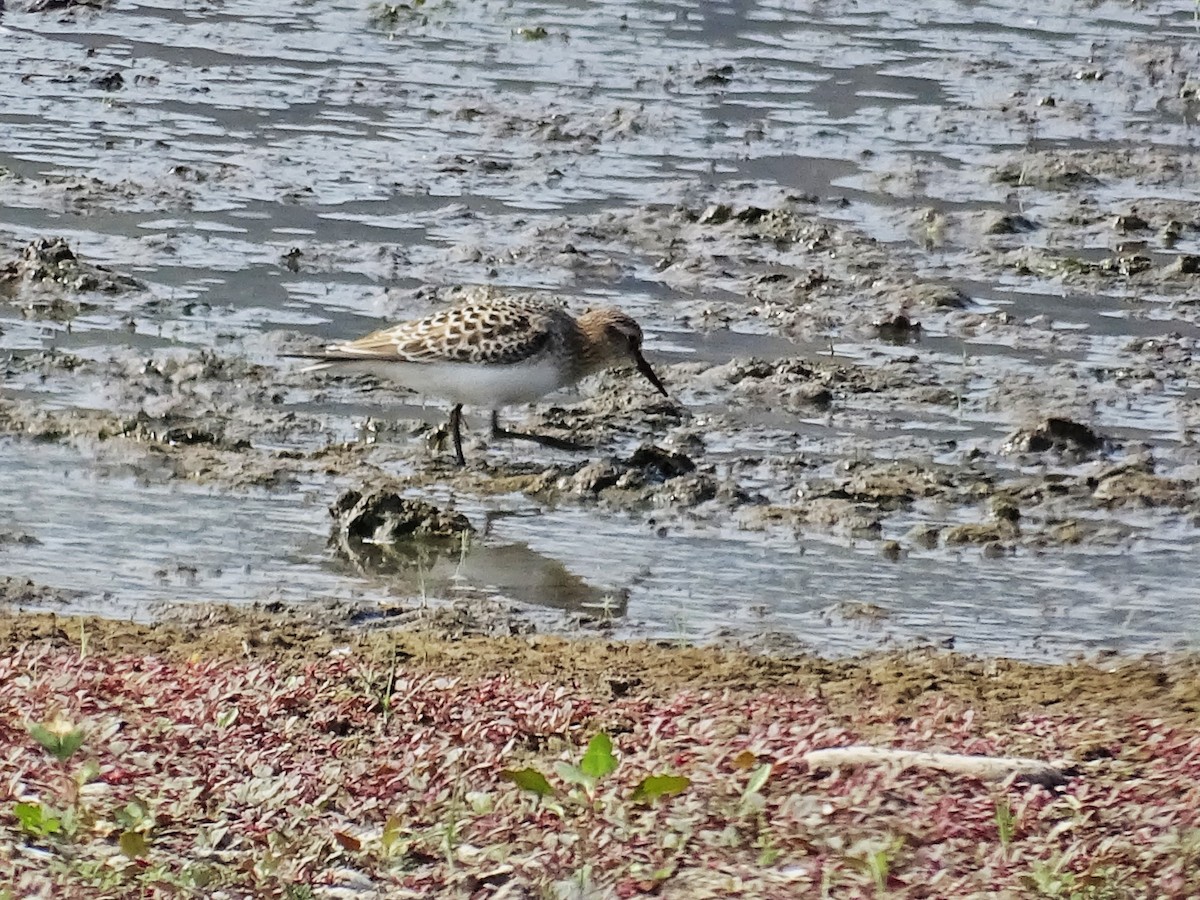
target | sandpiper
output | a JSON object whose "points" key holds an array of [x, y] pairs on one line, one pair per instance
{"points": [[494, 352]]}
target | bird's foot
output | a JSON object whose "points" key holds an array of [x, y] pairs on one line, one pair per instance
{"points": [[546, 440]]}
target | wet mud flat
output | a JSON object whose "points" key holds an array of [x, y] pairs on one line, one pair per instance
{"points": [[928, 319], [234, 752], [922, 283]]}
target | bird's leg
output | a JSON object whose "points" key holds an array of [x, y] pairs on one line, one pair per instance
{"points": [[456, 432], [545, 440]]}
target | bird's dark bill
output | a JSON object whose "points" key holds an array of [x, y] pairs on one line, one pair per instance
{"points": [[644, 368]]}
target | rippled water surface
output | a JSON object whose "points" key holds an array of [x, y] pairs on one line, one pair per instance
{"points": [[395, 148]]}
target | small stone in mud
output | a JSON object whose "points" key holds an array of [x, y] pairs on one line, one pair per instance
{"points": [[1188, 264], [1005, 511], [862, 611], [658, 465], [382, 516], [1130, 222], [717, 214], [1010, 223], [1133, 488], [926, 536], [113, 81], [596, 477], [937, 296], [1126, 265], [18, 537], [38, 6], [899, 329], [976, 533], [715, 77], [1048, 174], [1055, 433]]}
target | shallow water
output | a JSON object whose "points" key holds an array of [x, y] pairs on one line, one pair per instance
{"points": [[267, 547], [433, 148]]}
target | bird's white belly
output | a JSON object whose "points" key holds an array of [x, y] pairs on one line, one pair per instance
{"points": [[488, 386]]}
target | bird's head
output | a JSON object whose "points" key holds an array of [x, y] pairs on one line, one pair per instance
{"points": [[616, 339]]}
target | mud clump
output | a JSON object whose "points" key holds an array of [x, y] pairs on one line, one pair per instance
{"points": [[1010, 223], [647, 466], [40, 6], [23, 592], [1065, 170], [1047, 174], [51, 261], [978, 533], [1130, 222], [175, 431], [47, 271], [783, 225], [1130, 264], [18, 538], [111, 81], [1056, 434], [380, 533], [384, 517], [1187, 264], [658, 465], [859, 520], [898, 329], [1144, 489], [931, 295], [924, 536], [895, 485], [789, 384]]}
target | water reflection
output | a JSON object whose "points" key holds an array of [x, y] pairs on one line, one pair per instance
{"points": [[442, 568]]}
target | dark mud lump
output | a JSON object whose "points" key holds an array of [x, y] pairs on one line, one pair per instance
{"points": [[383, 517]]}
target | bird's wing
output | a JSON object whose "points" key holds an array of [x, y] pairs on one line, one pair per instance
{"points": [[484, 333]]}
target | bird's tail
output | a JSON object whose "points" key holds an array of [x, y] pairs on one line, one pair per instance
{"points": [[322, 359], [333, 358]]}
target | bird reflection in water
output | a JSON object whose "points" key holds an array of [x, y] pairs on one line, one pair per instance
{"points": [[466, 566]]}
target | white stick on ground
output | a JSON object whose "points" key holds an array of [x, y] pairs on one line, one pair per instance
{"points": [[992, 768]]}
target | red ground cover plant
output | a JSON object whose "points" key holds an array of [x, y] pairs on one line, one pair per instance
{"points": [[250, 778]]}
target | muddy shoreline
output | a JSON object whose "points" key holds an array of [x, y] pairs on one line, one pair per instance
{"points": [[478, 641]]}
